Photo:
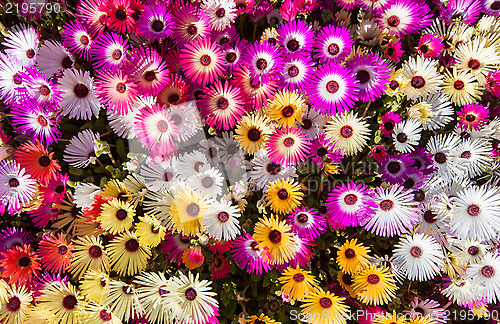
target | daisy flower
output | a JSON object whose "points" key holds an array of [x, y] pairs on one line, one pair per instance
{"points": [[297, 283], [122, 300], [350, 205], [492, 7], [220, 268], [76, 39], [257, 92], [53, 58], [461, 291], [190, 23], [264, 170], [127, 255], [492, 83], [333, 44], [389, 121], [186, 117], [485, 277], [263, 60], [283, 195], [37, 161], [407, 135], [286, 108], [62, 302], [475, 212], [208, 182], [160, 176], [325, 307], [372, 74], [89, 254], [155, 22], [152, 295], [248, 256], [419, 256], [94, 284], [174, 246], [295, 36], [9, 77], [221, 13], [90, 14], [32, 121], [79, 98], [477, 58], [423, 76], [288, 146], [470, 251], [37, 88], [16, 304], [476, 154], [191, 163], [108, 52], [20, 264], [22, 43], [396, 211], [403, 17], [332, 89], [150, 231], [222, 105], [119, 15], [440, 108], [79, 152], [156, 130], [116, 91], [430, 46], [349, 133], [221, 221], [441, 148], [352, 257], [187, 209], [369, 32], [116, 216], [175, 92], [393, 52], [460, 87], [98, 314], [56, 253], [374, 286], [473, 116], [428, 308], [252, 132], [296, 71], [202, 61], [233, 54], [276, 236], [16, 186], [307, 223]]}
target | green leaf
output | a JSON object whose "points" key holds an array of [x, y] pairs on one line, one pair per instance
{"points": [[229, 309], [120, 148]]}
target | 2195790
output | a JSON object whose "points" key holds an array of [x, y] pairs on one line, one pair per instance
{"points": [[31, 8]]}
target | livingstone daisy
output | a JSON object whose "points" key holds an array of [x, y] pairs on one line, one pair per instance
{"points": [[89, 253], [147, 71], [116, 216], [122, 300], [56, 253], [403, 17], [38, 88], [221, 13], [23, 43], [63, 302], [79, 99], [423, 76], [252, 132], [473, 116], [202, 61], [295, 36], [16, 304], [477, 58], [16, 186], [460, 87], [286, 108], [407, 135], [76, 39], [333, 44], [37, 161], [352, 257], [264, 61], [80, 152], [109, 52], [283, 195], [348, 132], [20, 264], [372, 74], [190, 23], [374, 286], [325, 307], [307, 223], [297, 283], [276, 236], [296, 71], [288, 146], [155, 22], [249, 256], [486, 278], [127, 255], [264, 170], [116, 91], [221, 221], [187, 208]]}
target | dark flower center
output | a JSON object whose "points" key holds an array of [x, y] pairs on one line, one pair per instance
{"points": [[13, 304], [132, 245], [193, 209], [350, 253], [440, 157], [282, 194], [298, 277], [62, 250], [59, 189], [81, 90], [162, 126], [488, 271], [254, 134], [121, 87], [393, 167], [430, 217], [275, 236], [389, 125], [458, 85], [346, 131], [416, 251], [207, 182], [117, 54], [474, 64], [302, 218], [150, 76], [293, 71], [261, 64], [155, 229], [190, 294], [347, 279], [222, 103], [466, 155], [223, 217], [288, 142], [167, 176], [332, 86], [221, 12], [253, 245], [69, 302], [292, 45], [473, 210], [306, 123], [24, 261], [30, 53], [386, 205], [173, 98], [67, 62], [205, 60], [13, 183], [402, 137], [409, 183], [44, 161], [127, 290], [417, 82], [287, 111], [350, 199], [42, 121], [419, 195], [333, 49], [393, 21], [121, 14], [424, 48], [192, 29], [321, 152], [105, 316], [95, 252], [495, 5], [473, 250], [363, 76], [44, 90], [231, 57], [394, 85], [16, 79], [163, 291], [373, 279], [121, 214], [273, 168], [198, 165], [390, 51], [325, 302], [470, 118], [157, 25]]}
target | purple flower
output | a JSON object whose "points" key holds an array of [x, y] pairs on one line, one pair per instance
{"points": [[295, 37], [16, 187], [465, 11], [307, 223], [403, 17], [372, 74], [109, 52], [263, 60], [249, 257], [155, 22], [37, 88], [76, 39], [395, 168], [333, 44], [31, 121]]}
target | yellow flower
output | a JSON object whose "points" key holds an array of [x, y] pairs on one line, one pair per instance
{"points": [[461, 87], [374, 286], [127, 255], [323, 307], [286, 108], [277, 236], [94, 285], [63, 302], [352, 257], [283, 195], [89, 254], [297, 283], [421, 111], [252, 132], [186, 211], [269, 35], [115, 188], [116, 216], [150, 231], [261, 319], [346, 282], [397, 83]]}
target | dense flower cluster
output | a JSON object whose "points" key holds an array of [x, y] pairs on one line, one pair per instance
{"points": [[237, 161]]}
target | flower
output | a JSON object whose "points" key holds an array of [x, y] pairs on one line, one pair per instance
{"points": [[333, 44], [319, 303], [221, 221], [283, 195], [288, 146], [147, 71], [393, 52], [485, 277], [352, 257], [350, 133], [119, 15], [296, 71], [116, 216], [150, 231], [56, 253], [122, 300], [79, 152], [286, 108], [155, 22], [477, 58], [16, 186], [37, 161], [109, 51], [427, 308], [127, 255], [277, 237], [307, 223], [202, 61], [407, 135], [62, 302], [20, 264], [221, 13], [16, 304], [152, 294], [116, 91], [249, 256], [186, 211], [372, 74], [374, 286], [295, 37], [190, 23], [419, 256], [430, 46], [423, 76], [252, 132], [403, 17], [473, 116], [297, 283], [264, 61], [76, 39], [389, 121], [460, 87], [89, 253]]}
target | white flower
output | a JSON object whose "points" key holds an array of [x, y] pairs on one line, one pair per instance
{"points": [[423, 76], [152, 293], [160, 176], [486, 277], [475, 155], [84, 194], [208, 182], [442, 111], [221, 221], [79, 97], [264, 170], [406, 135], [441, 147], [349, 133]]}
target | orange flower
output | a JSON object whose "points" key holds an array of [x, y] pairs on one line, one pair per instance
{"points": [[37, 161], [19, 264]]}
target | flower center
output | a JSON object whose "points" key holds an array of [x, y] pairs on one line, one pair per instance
{"points": [[473, 250], [363, 76], [321, 152], [346, 131], [393, 167], [117, 54], [121, 87], [389, 126], [222, 103], [275, 236], [173, 98], [95, 252], [298, 277], [62, 250], [424, 49], [408, 184], [121, 214], [157, 26], [416, 251], [205, 60], [132, 245], [282, 194], [292, 45], [67, 62], [393, 21], [394, 85], [192, 29], [440, 157], [302, 218], [273, 168], [44, 161], [402, 137], [287, 111], [59, 189], [333, 49], [419, 195], [16, 79], [231, 57], [470, 118], [223, 217], [430, 217], [13, 183], [198, 165], [474, 64], [288, 142], [417, 82], [69, 302], [293, 71], [466, 155], [488, 271], [306, 123], [13, 304], [81, 90], [162, 126], [105, 316], [121, 14], [30, 53], [193, 209], [155, 229], [458, 85], [325, 302], [150, 76], [253, 245], [350, 253], [261, 64], [221, 12], [473, 210], [332, 86], [495, 5], [373, 279], [254, 134], [386, 205], [350, 199], [44, 90], [190, 294], [24, 261], [207, 182], [162, 291]]}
